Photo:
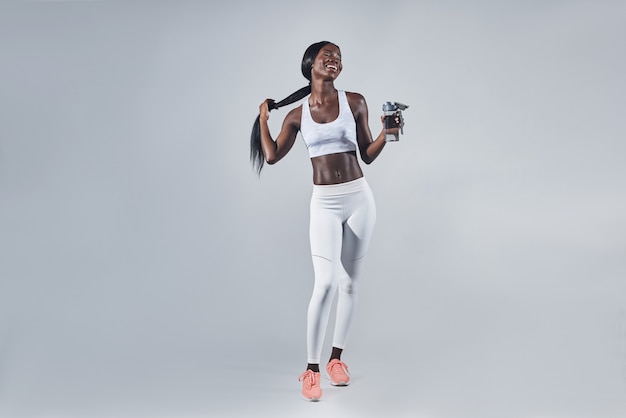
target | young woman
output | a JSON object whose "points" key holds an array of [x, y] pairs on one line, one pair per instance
{"points": [[334, 126]]}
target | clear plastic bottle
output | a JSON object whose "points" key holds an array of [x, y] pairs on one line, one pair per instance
{"points": [[390, 111]]}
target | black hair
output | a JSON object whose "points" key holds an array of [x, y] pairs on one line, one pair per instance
{"points": [[257, 159]]}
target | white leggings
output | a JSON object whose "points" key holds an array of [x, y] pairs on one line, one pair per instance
{"points": [[342, 221]]}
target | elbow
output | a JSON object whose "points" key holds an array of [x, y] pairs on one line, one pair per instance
{"points": [[366, 159], [270, 157]]}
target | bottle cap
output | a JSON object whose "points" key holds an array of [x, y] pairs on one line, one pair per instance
{"points": [[389, 107]]}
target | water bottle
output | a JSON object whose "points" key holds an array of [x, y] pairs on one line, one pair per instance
{"points": [[391, 112]]}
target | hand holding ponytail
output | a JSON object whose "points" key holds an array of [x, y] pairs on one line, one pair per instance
{"points": [[257, 159]]}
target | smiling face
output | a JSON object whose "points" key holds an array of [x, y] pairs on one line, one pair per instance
{"points": [[327, 64]]}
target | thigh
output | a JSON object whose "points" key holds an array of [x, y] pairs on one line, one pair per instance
{"points": [[325, 230], [359, 227]]}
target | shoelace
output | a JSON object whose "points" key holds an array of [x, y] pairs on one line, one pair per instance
{"points": [[309, 374], [343, 367], [341, 364]]}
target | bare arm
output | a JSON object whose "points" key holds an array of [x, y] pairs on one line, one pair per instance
{"points": [[274, 151], [368, 148]]}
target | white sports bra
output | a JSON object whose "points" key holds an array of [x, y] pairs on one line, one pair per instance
{"points": [[332, 137]]}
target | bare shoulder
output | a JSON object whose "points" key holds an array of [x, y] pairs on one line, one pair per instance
{"points": [[294, 116], [357, 103], [356, 98]]}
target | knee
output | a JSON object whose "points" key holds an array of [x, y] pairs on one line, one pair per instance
{"points": [[324, 288], [347, 285], [323, 294], [325, 280]]}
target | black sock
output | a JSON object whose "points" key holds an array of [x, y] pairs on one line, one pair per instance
{"points": [[336, 353], [314, 367]]}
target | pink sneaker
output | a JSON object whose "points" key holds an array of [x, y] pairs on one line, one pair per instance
{"points": [[338, 373], [311, 385]]}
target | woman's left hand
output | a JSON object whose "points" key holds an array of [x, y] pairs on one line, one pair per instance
{"points": [[398, 124]]}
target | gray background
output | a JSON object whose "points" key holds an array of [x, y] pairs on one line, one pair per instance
{"points": [[146, 272]]}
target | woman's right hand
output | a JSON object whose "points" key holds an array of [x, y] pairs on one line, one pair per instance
{"points": [[264, 109]]}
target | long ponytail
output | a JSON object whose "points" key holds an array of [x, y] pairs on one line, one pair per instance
{"points": [[257, 159]]}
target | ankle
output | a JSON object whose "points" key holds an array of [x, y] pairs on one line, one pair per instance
{"points": [[315, 367], [335, 354]]}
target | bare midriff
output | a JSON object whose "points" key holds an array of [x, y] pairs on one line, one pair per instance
{"points": [[336, 168]]}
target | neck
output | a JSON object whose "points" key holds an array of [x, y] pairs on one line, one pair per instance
{"points": [[322, 90]]}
